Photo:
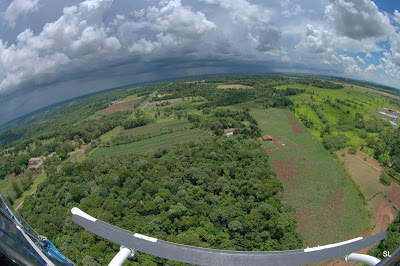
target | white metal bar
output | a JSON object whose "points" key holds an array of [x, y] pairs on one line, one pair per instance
{"points": [[367, 259], [123, 254]]}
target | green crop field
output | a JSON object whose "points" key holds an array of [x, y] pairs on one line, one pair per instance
{"points": [[337, 104], [157, 128], [328, 208], [152, 144]]}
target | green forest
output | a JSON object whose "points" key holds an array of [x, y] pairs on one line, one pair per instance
{"points": [[215, 194]]}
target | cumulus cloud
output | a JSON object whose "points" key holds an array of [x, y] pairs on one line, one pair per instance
{"points": [[320, 42], [244, 12], [397, 16], [20, 7], [363, 15], [290, 9], [79, 39], [360, 60], [77, 36], [174, 18], [252, 20], [371, 68]]}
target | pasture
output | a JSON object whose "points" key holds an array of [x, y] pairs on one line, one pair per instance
{"points": [[338, 104], [327, 206], [366, 173], [157, 128], [151, 144]]}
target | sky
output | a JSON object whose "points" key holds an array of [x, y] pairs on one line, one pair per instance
{"points": [[52, 51]]}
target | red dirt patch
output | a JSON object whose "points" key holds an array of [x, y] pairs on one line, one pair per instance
{"points": [[163, 95], [285, 169], [118, 107], [296, 128], [334, 202]]}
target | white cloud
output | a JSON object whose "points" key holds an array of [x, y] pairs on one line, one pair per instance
{"points": [[20, 7], [391, 69], [176, 19], [397, 16], [77, 36], [244, 12], [360, 60], [363, 15], [289, 9], [145, 47], [371, 68]]}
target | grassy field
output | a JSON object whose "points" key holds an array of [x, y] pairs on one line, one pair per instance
{"points": [[157, 128], [120, 106], [38, 180], [152, 144], [366, 176], [353, 100], [328, 208], [6, 186]]}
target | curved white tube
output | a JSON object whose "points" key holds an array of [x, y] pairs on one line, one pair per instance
{"points": [[121, 256], [367, 259]]}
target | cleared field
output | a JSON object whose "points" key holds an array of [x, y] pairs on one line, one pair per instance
{"points": [[156, 129], [233, 86], [152, 144], [366, 174], [328, 208], [118, 107], [6, 186], [36, 182]]}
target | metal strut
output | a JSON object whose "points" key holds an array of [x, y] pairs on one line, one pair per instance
{"points": [[123, 254]]}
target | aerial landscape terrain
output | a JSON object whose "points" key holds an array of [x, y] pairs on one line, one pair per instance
{"points": [[240, 162], [139, 127]]}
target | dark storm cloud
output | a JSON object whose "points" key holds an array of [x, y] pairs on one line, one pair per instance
{"points": [[54, 50]]}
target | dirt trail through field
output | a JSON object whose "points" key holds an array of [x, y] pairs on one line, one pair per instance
{"points": [[385, 217]]}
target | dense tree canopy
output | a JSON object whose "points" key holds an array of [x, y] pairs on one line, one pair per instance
{"points": [[218, 194]]}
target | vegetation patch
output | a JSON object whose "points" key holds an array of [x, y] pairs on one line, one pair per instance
{"points": [[119, 107], [152, 144], [312, 181], [217, 193]]}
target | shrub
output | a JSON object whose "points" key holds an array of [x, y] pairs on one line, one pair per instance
{"points": [[386, 180]]}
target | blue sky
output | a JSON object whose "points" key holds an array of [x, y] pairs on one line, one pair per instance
{"points": [[55, 50]]}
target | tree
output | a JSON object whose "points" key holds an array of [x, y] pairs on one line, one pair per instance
{"points": [[16, 189]]}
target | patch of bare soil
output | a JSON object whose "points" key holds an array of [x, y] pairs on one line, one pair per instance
{"points": [[296, 128], [285, 169], [233, 86], [385, 217], [118, 107]]}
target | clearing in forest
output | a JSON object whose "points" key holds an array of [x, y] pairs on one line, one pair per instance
{"points": [[158, 128], [327, 206], [366, 173], [118, 107], [152, 144], [233, 86]]}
